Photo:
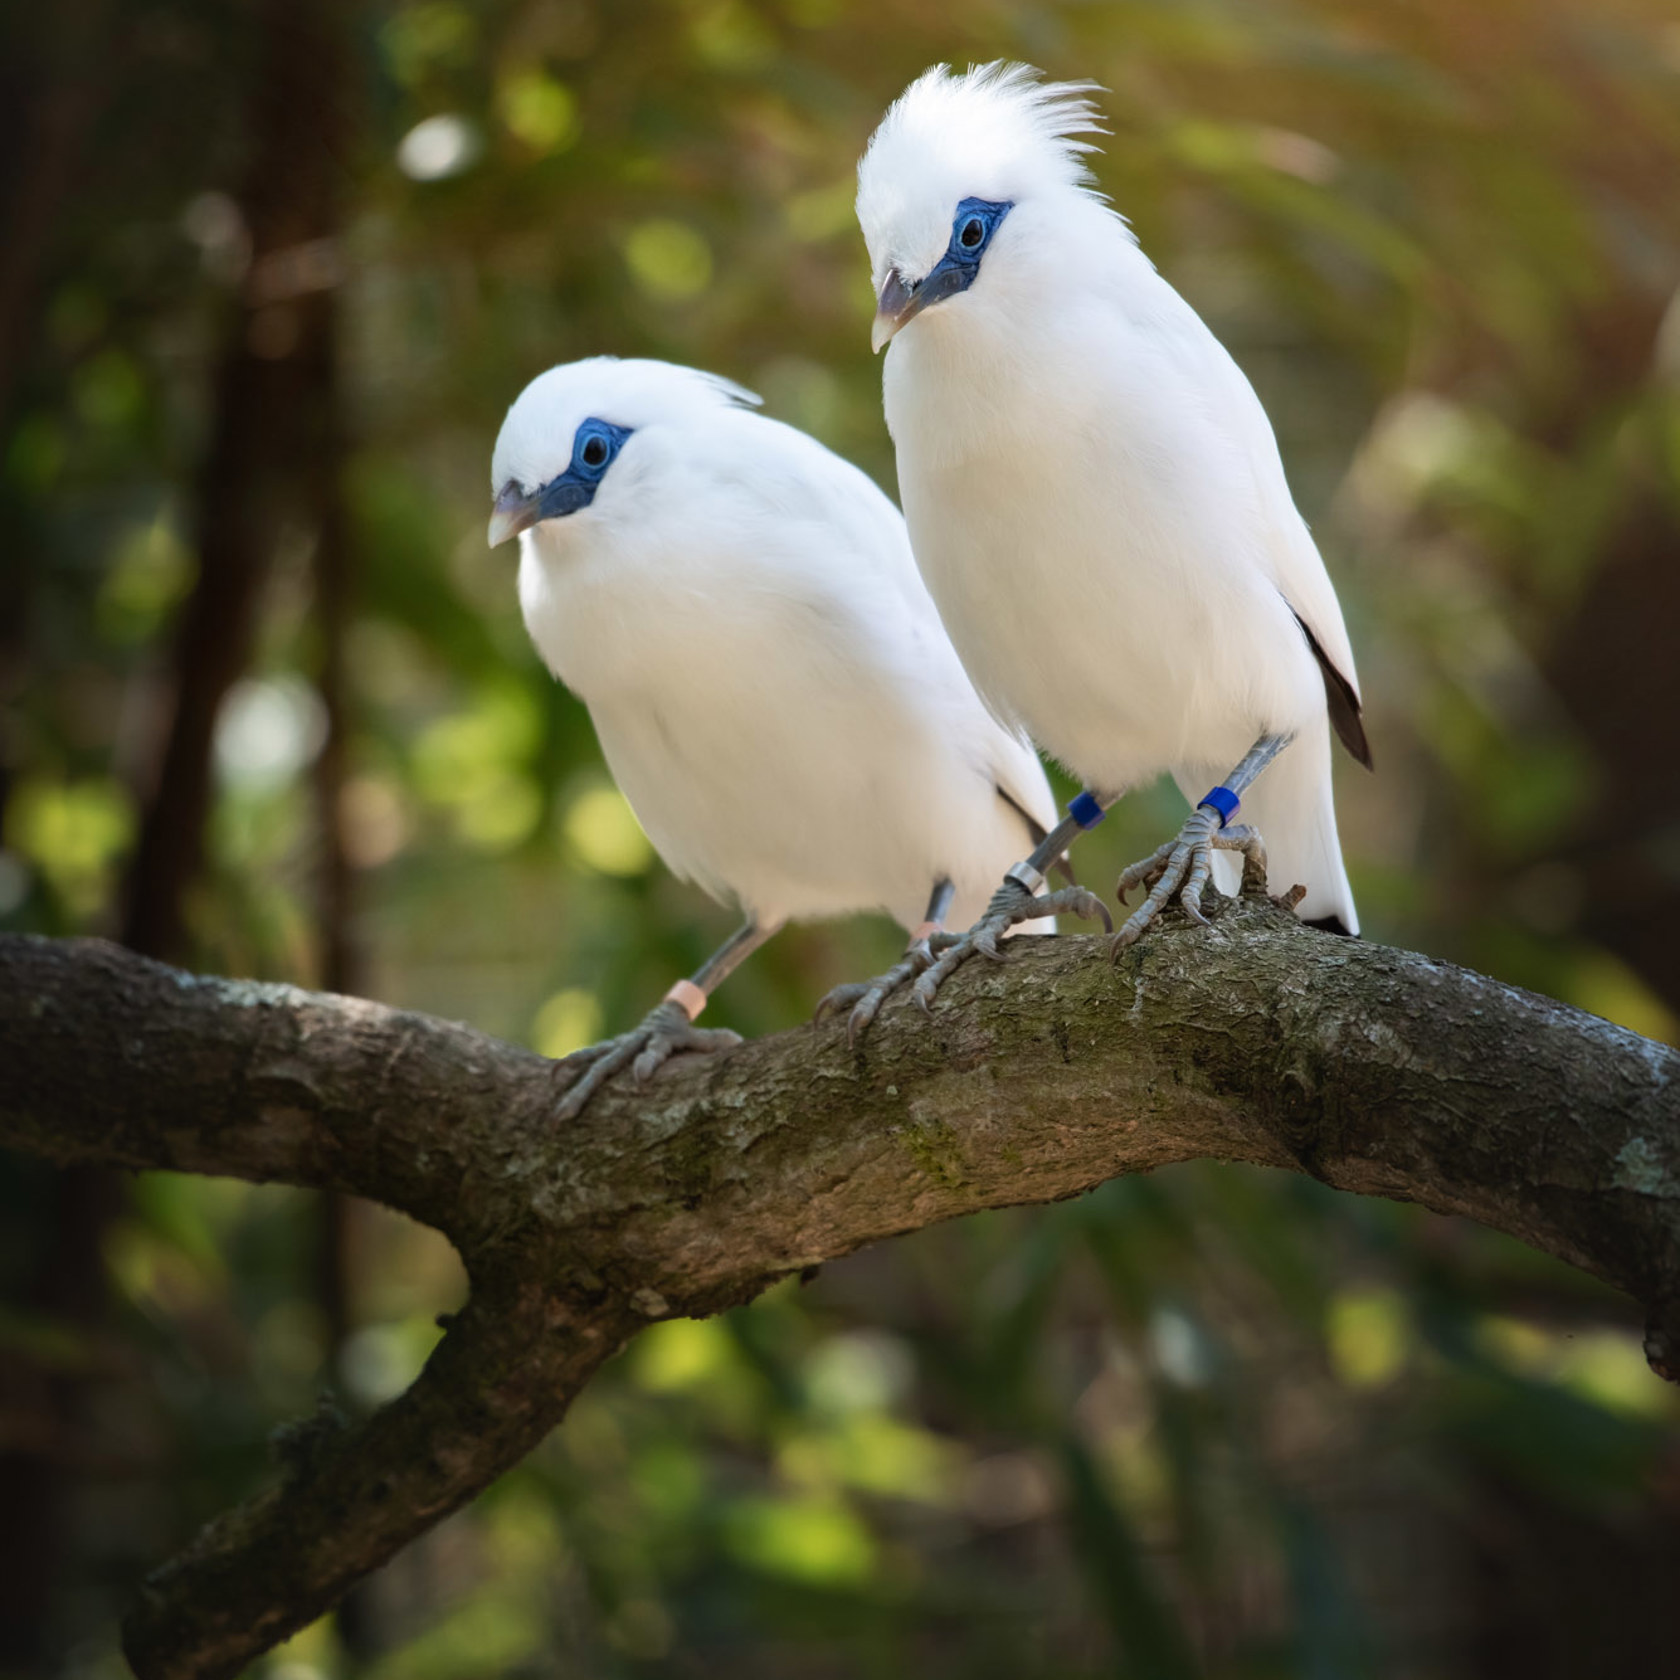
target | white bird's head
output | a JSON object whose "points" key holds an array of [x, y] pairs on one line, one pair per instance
{"points": [[960, 174], [587, 438]]}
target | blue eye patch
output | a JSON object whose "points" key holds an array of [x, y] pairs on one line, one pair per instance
{"points": [[595, 446]]}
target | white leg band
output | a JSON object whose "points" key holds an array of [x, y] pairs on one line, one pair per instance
{"points": [[1024, 875]]}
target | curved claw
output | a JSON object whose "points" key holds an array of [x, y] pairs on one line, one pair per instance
{"points": [[616, 1053], [863, 1000], [914, 962], [868, 1006], [661, 1047], [1011, 903], [1145, 871], [1182, 867], [1080, 901], [1201, 868], [664, 1032], [927, 987], [1135, 924], [1240, 837], [839, 999]]}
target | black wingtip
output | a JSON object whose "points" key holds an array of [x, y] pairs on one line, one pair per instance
{"points": [[1330, 924], [1339, 695], [1350, 730], [1063, 866]]}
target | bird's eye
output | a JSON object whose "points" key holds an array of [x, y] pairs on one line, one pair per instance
{"points": [[594, 452], [973, 231]]}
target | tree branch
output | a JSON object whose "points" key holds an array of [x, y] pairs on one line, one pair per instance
{"points": [[1371, 1069], [350, 1498]]}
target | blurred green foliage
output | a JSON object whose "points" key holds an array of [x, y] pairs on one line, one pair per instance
{"points": [[1211, 1423]]}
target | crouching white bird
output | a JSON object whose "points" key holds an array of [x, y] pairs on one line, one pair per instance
{"points": [[767, 675], [1095, 498]]}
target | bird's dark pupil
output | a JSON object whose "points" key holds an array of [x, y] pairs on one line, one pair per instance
{"points": [[594, 452], [971, 232]]}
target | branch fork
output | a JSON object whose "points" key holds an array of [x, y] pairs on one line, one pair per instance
{"points": [[1375, 1070]]}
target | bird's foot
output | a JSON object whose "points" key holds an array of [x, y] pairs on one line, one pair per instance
{"points": [[665, 1030], [1183, 866], [863, 998], [1011, 904]]}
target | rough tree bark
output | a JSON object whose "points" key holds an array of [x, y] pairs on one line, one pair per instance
{"points": [[1371, 1069]]}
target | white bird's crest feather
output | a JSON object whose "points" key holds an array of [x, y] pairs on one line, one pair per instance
{"points": [[995, 131], [1068, 428]]}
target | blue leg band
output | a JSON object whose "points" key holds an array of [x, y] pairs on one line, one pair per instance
{"points": [[1222, 800], [1085, 811]]}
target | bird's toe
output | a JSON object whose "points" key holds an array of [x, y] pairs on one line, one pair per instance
{"points": [[864, 1012], [926, 988], [653, 1055], [840, 999], [1082, 902], [612, 1055], [663, 1044]]}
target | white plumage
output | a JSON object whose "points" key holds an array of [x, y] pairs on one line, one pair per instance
{"points": [[1094, 493], [739, 609]]}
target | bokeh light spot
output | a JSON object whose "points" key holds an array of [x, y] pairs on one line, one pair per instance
{"points": [[148, 577], [268, 729], [681, 1353], [538, 111], [603, 830], [437, 148], [819, 1541], [668, 260], [1368, 1337], [72, 832], [566, 1022]]}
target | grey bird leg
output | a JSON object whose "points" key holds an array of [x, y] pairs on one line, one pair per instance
{"points": [[1016, 900], [1185, 862], [863, 998], [668, 1027]]}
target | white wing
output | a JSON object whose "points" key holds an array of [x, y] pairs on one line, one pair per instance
{"points": [[1298, 569], [1292, 558]]}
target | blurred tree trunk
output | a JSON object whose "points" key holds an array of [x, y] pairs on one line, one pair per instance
{"points": [[51, 89], [338, 953], [1616, 669], [268, 407], [1612, 660], [272, 416]]}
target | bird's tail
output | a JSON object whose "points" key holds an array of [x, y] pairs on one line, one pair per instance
{"points": [[1292, 805]]}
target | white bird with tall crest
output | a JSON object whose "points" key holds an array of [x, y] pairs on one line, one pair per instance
{"points": [[1096, 502]]}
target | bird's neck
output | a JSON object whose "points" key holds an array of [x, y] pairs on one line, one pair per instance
{"points": [[969, 390], [1011, 359]]}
